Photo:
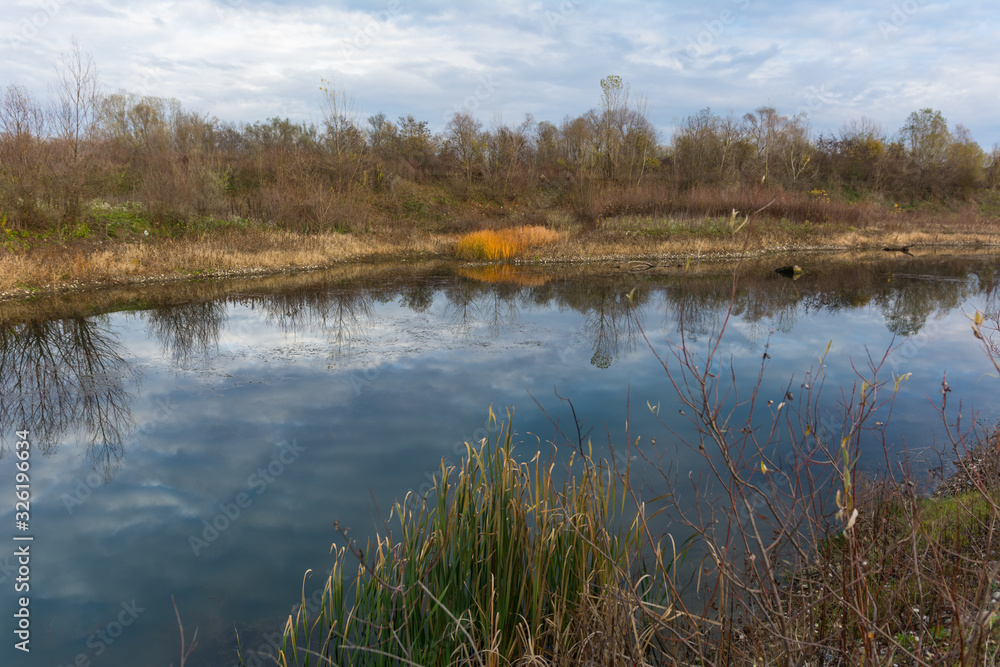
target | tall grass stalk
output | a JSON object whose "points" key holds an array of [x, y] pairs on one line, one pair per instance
{"points": [[795, 556], [499, 563]]}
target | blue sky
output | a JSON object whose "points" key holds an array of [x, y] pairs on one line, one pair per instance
{"points": [[246, 60]]}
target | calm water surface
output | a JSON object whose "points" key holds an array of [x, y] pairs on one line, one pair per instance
{"points": [[195, 443]]}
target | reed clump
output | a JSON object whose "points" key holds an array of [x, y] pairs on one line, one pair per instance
{"points": [[503, 244], [787, 555], [498, 564]]}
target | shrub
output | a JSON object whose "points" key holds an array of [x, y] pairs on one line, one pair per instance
{"points": [[503, 244]]}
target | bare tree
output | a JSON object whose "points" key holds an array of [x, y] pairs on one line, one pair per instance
{"points": [[697, 148], [20, 116], [795, 148], [77, 100], [926, 135], [992, 166], [340, 123], [381, 134], [966, 162], [22, 124], [416, 143], [577, 142], [506, 154], [762, 128], [625, 138], [463, 136]]}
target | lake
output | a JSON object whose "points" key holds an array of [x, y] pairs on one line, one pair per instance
{"points": [[192, 444]]}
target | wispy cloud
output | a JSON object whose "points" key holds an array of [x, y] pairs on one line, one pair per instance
{"points": [[245, 60]]}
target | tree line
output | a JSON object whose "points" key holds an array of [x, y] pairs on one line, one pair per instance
{"points": [[84, 148]]}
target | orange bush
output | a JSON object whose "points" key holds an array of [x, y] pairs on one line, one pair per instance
{"points": [[503, 244]]}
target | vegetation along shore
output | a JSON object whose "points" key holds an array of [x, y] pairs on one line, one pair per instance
{"points": [[105, 187], [801, 559]]}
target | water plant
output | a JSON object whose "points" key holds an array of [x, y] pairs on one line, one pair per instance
{"points": [[781, 551], [499, 563]]}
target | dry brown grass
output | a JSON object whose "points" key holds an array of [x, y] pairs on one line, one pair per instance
{"points": [[128, 296], [503, 244], [707, 237], [209, 255], [257, 250]]}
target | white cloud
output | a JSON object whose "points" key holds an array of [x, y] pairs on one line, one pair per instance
{"points": [[243, 60]]}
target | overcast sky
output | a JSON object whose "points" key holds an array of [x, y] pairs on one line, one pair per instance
{"points": [[247, 60]]}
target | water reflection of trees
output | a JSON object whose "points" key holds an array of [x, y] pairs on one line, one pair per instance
{"points": [[764, 301], [696, 304], [493, 305], [342, 312], [418, 297], [915, 299], [773, 305], [609, 322], [494, 300], [699, 306], [58, 375], [187, 329]]}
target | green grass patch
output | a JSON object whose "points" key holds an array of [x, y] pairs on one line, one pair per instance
{"points": [[988, 203], [497, 563], [672, 227], [897, 557], [122, 220], [208, 224], [956, 521]]}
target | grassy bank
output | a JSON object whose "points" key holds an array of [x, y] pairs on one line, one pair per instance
{"points": [[137, 253]]}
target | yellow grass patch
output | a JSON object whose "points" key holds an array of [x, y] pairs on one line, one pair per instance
{"points": [[503, 244]]}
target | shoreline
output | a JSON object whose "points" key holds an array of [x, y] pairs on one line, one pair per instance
{"points": [[64, 269]]}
